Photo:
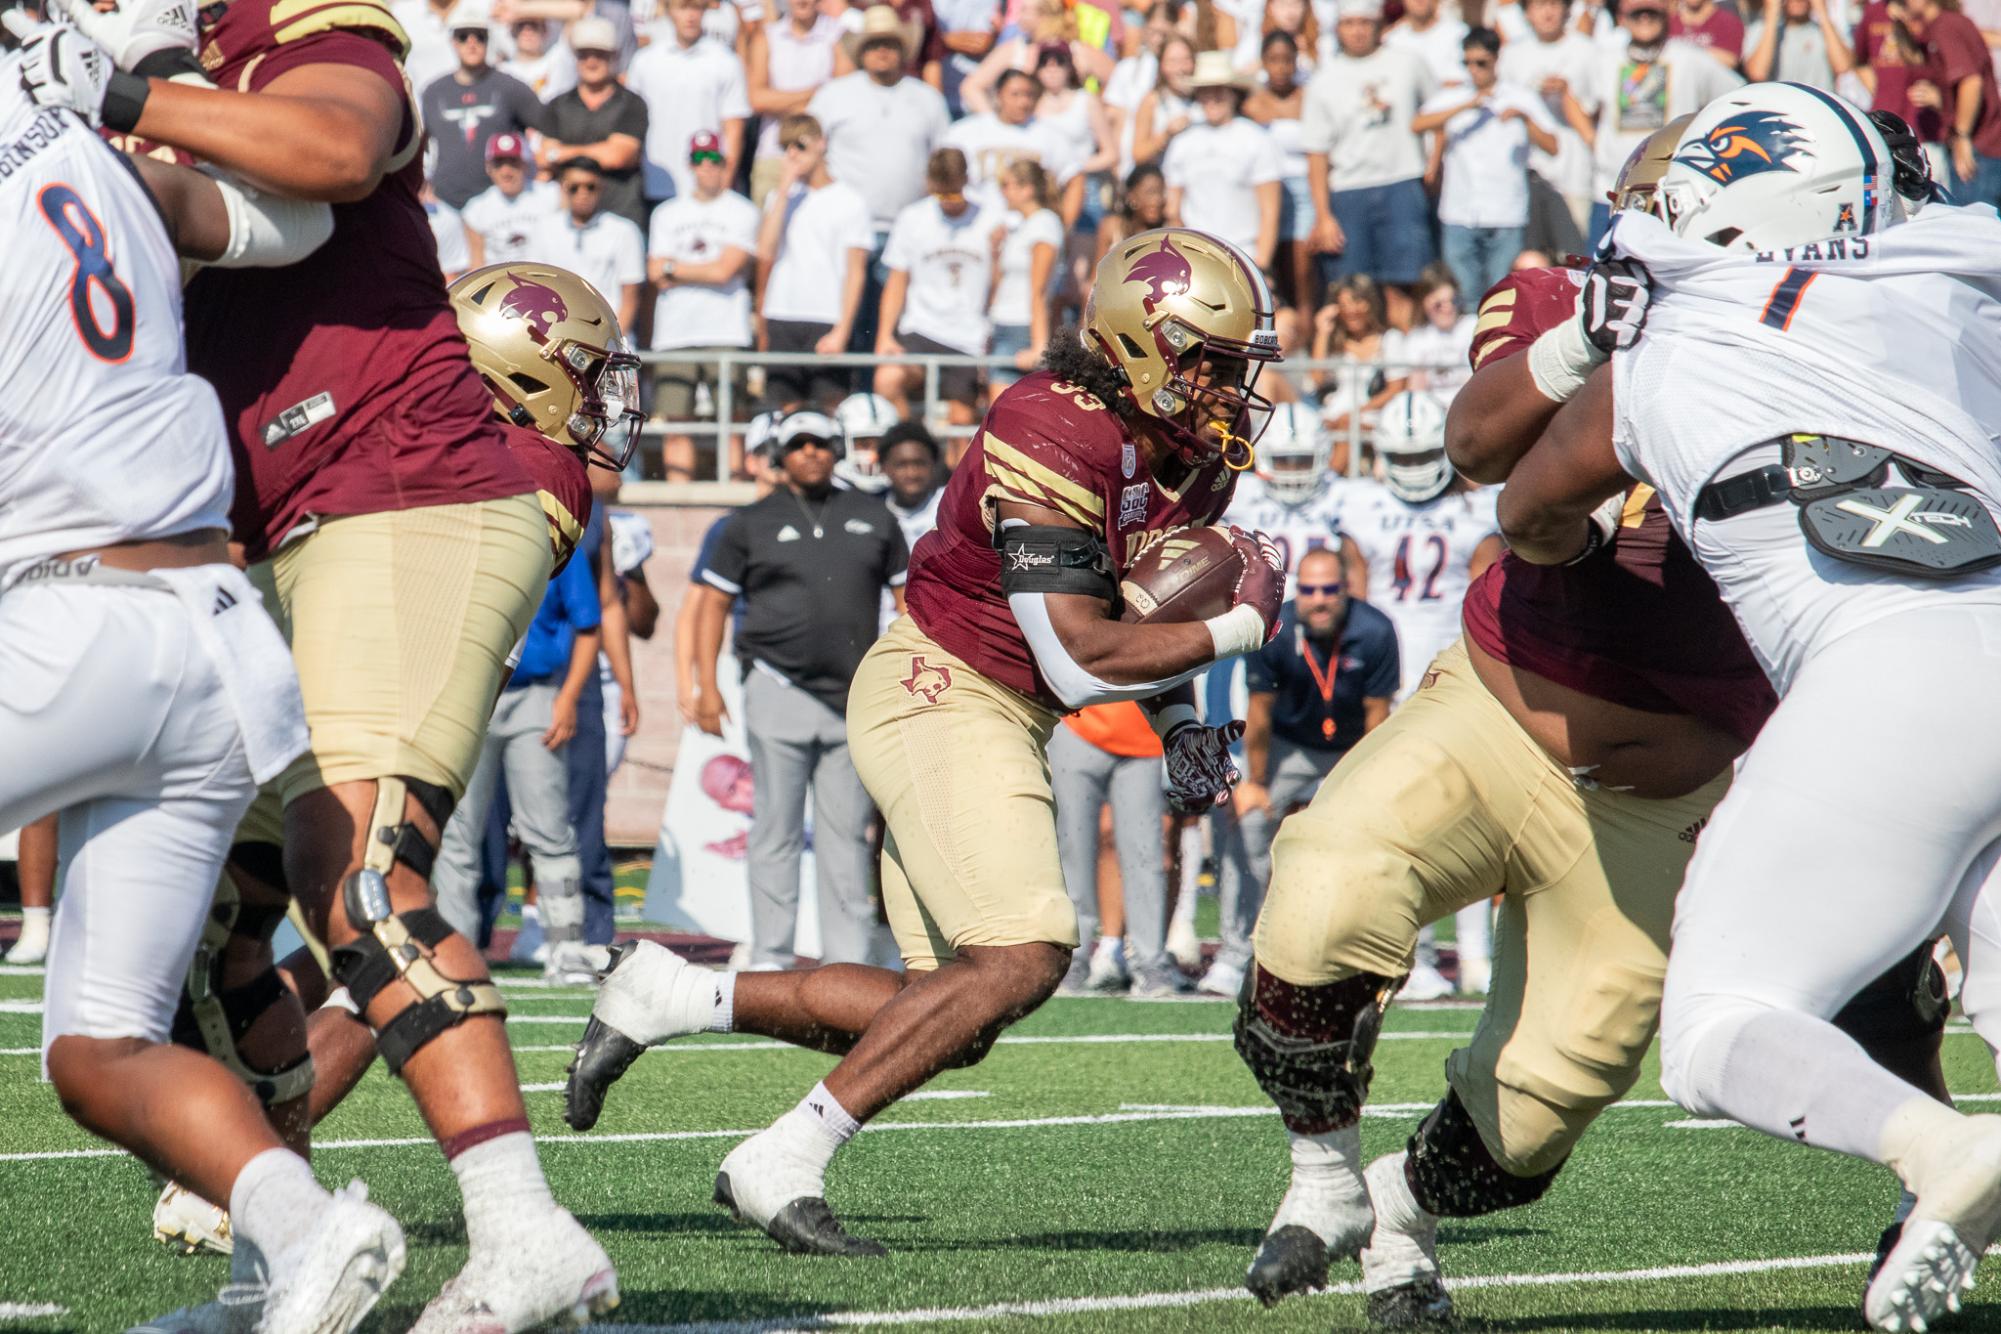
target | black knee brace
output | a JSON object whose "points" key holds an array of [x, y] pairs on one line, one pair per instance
{"points": [[213, 1018], [396, 839], [1309, 1047], [1454, 1176]]}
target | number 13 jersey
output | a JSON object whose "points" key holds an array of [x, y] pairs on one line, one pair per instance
{"points": [[104, 435], [1418, 557]]}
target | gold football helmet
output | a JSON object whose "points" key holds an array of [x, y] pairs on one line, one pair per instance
{"points": [[1188, 319], [1633, 192], [549, 348]]}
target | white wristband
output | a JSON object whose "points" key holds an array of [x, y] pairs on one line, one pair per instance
{"points": [[1172, 717], [1237, 631], [1562, 360]]}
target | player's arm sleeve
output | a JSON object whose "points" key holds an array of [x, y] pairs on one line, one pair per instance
{"points": [[1069, 681], [726, 567]]}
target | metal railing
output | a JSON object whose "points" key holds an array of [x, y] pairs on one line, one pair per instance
{"points": [[1306, 376]]}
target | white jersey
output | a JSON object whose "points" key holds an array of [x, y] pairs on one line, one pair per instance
{"points": [[1298, 528], [104, 435], [1419, 559], [1893, 340], [914, 523]]}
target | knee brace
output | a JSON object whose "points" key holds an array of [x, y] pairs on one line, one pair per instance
{"points": [[214, 1018], [393, 838], [402, 946], [1900, 1019], [1452, 1173], [1309, 1047]]}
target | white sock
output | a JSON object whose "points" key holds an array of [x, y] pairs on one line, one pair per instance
{"points": [[277, 1204], [723, 1019], [1473, 926], [504, 1189], [1394, 1203], [654, 996], [1327, 1185], [817, 1127], [35, 920], [1191, 875]]}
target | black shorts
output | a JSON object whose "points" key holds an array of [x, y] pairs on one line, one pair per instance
{"points": [[820, 385], [956, 384]]}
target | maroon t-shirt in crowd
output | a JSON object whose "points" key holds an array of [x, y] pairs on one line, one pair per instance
{"points": [[1721, 31], [1877, 46], [1955, 51]]}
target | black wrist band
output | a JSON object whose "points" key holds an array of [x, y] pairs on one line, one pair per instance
{"points": [[169, 64], [124, 98]]}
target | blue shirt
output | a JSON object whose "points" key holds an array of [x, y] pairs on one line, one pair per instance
{"points": [[1319, 703], [568, 608]]}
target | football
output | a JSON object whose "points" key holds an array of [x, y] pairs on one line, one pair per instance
{"points": [[1189, 574]]}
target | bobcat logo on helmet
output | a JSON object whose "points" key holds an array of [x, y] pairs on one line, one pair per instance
{"points": [[1746, 145], [1166, 272], [540, 305]]}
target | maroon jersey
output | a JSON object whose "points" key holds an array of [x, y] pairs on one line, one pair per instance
{"points": [[1050, 443], [343, 377], [562, 483], [1644, 628]]}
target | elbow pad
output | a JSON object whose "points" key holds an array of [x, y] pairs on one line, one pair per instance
{"points": [[266, 231], [1067, 680], [1054, 559]]}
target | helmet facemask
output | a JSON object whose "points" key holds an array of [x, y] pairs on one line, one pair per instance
{"points": [[1416, 476], [1210, 403], [607, 419]]}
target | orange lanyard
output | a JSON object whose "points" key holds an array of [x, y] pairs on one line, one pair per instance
{"points": [[1325, 681]]}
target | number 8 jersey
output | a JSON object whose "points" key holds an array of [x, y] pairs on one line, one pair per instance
{"points": [[104, 435], [1419, 558]]}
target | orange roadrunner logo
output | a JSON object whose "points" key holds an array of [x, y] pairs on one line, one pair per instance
{"points": [[926, 680], [1746, 145]]}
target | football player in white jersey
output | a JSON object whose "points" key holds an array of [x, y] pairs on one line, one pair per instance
{"points": [[1290, 495], [142, 673], [1813, 396], [863, 419], [1422, 535]]}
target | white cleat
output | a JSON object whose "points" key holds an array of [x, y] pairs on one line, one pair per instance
{"points": [[235, 1311], [1108, 966], [1425, 983], [189, 1224], [1324, 1216], [560, 1276], [33, 944], [651, 994], [1400, 1264], [1928, 1273], [530, 946], [762, 1184], [1222, 979], [336, 1277]]}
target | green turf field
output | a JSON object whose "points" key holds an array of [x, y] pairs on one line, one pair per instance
{"points": [[1110, 1167]]}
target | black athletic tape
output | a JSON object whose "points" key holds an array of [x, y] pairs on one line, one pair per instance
{"points": [[1452, 1174], [1055, 560], [124, 100]]}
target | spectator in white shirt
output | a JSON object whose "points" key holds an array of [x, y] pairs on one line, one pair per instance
{"points": [[1798, 41], [940, 262], [698, 251], [812, 249], [1484, 139], [600, 247], [1135, 75], [1435, 350], [1030, 242], [1223, 172], [501, 218], [1010, 133], [1276, 103], [1364, 164], [1170, 107], [448, 229], [541, 61], [1434, 38], [786, 62], [690, 82], [1557, 62]]}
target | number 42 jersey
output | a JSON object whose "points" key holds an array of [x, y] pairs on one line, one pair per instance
{"points": [[1419, 559]]}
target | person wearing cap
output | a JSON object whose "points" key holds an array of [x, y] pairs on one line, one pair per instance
{"points": [[1223, 171], [429, 25], [465, 109], [940, 259], [500, 219], [601, 119], [690, 82], [809, 563], [1641, 84], [1011, 133], [786, 60], [541, 61], [812, 248], [603, 249], [698, 253], [1485, 132], [1364, 164]]}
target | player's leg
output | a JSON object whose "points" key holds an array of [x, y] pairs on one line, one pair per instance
{"points": [[538, 786], [1079, 776], [778, 732], [35, 868], [1139, 804]]}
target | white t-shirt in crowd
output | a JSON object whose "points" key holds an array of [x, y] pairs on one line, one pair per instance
{"points": [[505, 224], [1442, 354], [1635, 100], [1486, 172], [688, 230], [548, 75], [809, 276], [991, 144], [1358, 112], [880, 139], [607, 252], [950, 262], [1014, 298], [686, 89], [1442, 47], [448, 229], [1218, 169], [431, 54], [1573, 57]]}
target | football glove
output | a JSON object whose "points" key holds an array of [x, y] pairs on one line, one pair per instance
{"points": [[1200, 772], [1262, 584], [61, 67], [137, 29], [1604, 527], [1613, 305]]}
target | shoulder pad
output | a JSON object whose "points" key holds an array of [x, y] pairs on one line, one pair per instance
{"points": [[1521, 307]]}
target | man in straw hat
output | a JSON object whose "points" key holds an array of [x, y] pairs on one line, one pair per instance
{"points": [[1223, 171]]}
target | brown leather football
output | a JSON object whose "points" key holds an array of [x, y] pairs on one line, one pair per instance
{"points": [[1189, 574]]}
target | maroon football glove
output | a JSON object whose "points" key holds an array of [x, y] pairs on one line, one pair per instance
{"points": [[1262, 584], [1200, 772]]}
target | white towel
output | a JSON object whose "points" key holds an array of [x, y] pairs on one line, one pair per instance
{"points": [[252, 659]]}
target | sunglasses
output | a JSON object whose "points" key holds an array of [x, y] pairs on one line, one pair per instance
{"points": [[699, 158], [469, 35], [798, 443], [1323, 590]]}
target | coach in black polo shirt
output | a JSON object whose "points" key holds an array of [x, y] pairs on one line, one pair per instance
{"points": [[1323, 683], [809, 563]]}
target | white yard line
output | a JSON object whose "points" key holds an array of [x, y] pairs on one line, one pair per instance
{"points": [[1156, 1301], [30, 1310]]}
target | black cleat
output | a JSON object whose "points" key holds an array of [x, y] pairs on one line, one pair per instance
{"points": [[603, 1055], [1420, 1304], [1290, 1260], [804, 1227]]}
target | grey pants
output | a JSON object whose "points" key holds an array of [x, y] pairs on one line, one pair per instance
{"points": [[1084, 779], [1295, 775], [538, 784], [795, 742]]}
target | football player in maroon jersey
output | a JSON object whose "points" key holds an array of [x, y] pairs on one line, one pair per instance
{"points": [[1139, 426]]}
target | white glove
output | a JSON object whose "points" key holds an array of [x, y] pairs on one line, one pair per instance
{"points": [[61, 67], [1200, 772], [1613, 305], [135, 29], [1604, 523]]}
